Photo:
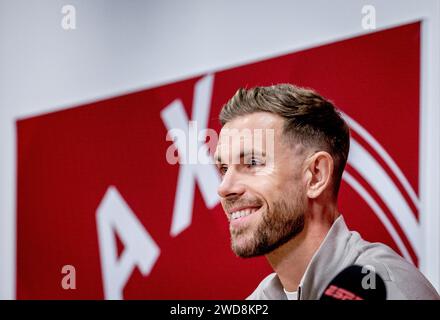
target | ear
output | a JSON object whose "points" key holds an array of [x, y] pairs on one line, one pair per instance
{"points": [[319, 172]]}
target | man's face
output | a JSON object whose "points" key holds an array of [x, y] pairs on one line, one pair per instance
{"points": [[262, 189]]}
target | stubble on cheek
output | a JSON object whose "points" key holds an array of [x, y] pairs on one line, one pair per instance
{"points": [[273, 228]]}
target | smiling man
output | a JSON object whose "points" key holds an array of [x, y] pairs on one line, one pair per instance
{"points": [[281, 153]]}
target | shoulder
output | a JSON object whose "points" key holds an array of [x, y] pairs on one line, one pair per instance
{"points": [[402, 279], [268, 289]]}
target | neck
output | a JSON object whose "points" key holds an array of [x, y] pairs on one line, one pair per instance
{"points": [[291, 259]]}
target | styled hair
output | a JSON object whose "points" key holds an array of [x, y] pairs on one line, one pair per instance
{"points": [[309, 119]]}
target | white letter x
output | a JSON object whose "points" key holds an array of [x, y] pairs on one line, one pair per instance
{"points": [[204, 172]]}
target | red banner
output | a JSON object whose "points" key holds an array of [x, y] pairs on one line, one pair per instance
{"points": [[95, 191]]}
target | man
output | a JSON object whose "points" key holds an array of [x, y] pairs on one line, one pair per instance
{"points": [[281, 153]]}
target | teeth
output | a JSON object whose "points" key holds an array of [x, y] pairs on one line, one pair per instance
{"points": [[242, 213]]}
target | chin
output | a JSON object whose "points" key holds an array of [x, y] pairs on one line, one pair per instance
{"points": [[244, 253], [245, 249]]}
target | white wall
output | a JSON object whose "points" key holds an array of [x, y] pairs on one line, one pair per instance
{"points": [[123, 46]]}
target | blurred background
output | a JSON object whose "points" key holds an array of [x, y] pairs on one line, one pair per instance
{"points": [[89, 206]]}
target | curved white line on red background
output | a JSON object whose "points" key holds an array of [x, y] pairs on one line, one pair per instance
{"points": [[379, 213], [373, 173], [385, 157]]}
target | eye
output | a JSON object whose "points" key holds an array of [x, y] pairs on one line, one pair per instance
{"points": [[222, 169], [254, 162]]}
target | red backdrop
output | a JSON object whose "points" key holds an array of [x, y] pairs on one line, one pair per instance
{"points": [[68, 159]]}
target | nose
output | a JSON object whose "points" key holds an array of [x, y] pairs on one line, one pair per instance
{"points": [[230, 185]]}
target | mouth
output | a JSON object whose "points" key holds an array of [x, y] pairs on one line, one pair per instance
{"points": [[240, 213]]}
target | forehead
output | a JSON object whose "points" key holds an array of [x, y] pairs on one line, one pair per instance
{"points": [[256, 133], [248, 126]]}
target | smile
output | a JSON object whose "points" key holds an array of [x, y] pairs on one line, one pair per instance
{"points": [[242, 213]]}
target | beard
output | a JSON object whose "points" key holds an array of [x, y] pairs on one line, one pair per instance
{"points": [[277, 226]]}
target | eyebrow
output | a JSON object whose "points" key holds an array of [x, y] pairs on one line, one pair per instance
{"points": [[242, 155]]}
